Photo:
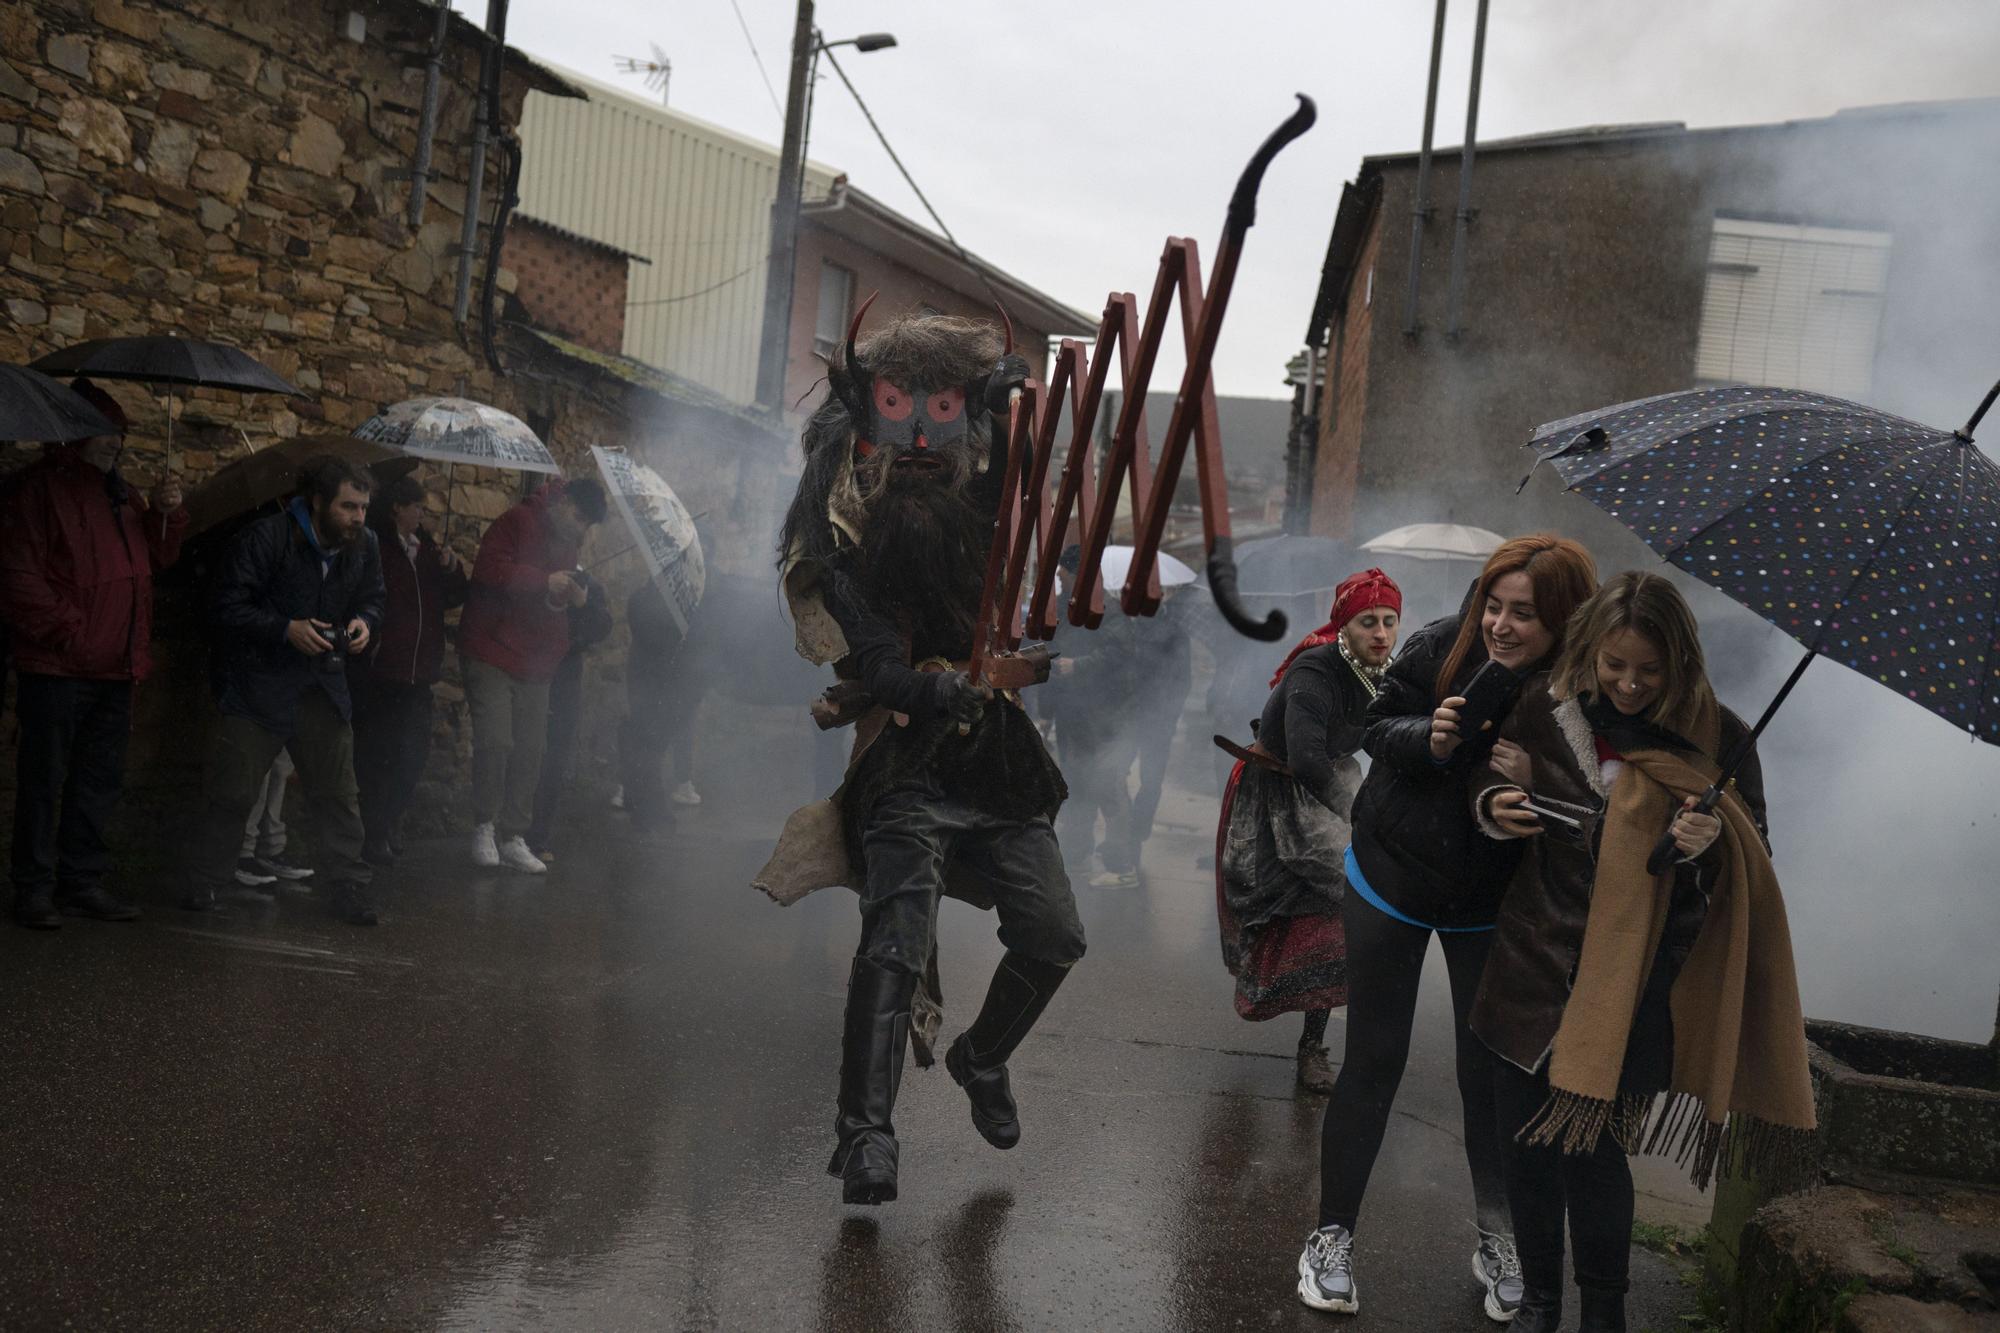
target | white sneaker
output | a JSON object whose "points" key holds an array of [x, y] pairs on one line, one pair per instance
{"points": [[618, 798], [484, 853], [514, 854], [685, 794], [1326, 1271]]}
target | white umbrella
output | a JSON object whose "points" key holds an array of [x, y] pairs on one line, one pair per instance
{"points": [[458, 430], [1118, 560], [663, 527], [1435, 541]]}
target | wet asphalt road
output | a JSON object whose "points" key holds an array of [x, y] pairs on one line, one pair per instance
{"points": [[603, 1101]]}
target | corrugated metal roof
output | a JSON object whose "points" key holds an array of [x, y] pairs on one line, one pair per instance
{"points": [[692, 197]]}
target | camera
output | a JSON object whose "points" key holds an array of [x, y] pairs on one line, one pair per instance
{"points": [[338, 638]]}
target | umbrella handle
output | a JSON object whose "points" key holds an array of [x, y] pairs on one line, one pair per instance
{"points": [[1662, 858]]}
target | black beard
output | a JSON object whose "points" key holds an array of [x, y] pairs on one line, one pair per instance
{"points": [[923, 563]]}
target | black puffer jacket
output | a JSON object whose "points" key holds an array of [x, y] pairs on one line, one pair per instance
{"points": [[1414, 836]]}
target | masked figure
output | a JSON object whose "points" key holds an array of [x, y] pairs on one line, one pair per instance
{"points": [[950, 789]]}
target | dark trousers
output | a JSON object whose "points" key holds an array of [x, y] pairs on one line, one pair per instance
{"points": [[559, 752], [659, 718], [1594, 1188], [240, 754], [1095, 765], [69, 772], [905, 843], [1385, 962], [392, 743]]}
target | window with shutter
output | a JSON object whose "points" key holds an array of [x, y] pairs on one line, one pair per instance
{"points": [[836, 296], [1792, 306]]}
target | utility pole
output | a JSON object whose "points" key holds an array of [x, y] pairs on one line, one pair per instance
{"points": [[774, 347]]}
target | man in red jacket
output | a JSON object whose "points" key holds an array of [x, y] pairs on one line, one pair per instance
{"points": [[77, 553], [512, 636]]}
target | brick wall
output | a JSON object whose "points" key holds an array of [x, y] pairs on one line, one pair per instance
{"points": [[566, 285], [1345, 409]]}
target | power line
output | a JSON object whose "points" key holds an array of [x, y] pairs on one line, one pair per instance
{"points": [[910, 180], [776, 105], [689, 296]]}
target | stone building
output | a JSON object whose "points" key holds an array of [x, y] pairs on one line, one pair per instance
{"points": [[1851, 254], [238, 170]]}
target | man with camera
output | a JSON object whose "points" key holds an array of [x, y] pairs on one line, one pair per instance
{"points": [[299, 592]]}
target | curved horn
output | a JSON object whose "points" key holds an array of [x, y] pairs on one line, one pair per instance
{"points": [[1222, 587], [854, 329], [1243, 203], [1007, 323]]}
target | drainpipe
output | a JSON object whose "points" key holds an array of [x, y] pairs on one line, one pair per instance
{"points": [[1456, 300], [420, 167], [489, 77], [1422, 212], [1298, 457]]}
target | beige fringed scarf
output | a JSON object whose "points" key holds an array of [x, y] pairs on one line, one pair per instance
{"points": [[1740, 1087]]}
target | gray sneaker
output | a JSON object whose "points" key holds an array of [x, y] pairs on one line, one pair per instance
{"points": [[1498, 1269], [1326, 1271]]}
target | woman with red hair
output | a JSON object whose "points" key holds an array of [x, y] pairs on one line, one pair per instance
{"points": [[1418, 866], [1284, 829]]}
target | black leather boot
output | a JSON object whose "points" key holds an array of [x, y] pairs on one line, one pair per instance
{"points": [[1541, 1308], [1603, 1310], [1541, 1311], [1020, 990], [873, 1038]]}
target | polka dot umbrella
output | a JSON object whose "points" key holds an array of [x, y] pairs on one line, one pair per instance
{"points": [[1870, 539]]}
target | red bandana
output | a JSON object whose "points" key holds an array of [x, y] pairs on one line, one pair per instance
{"points": [[1356, 593]]}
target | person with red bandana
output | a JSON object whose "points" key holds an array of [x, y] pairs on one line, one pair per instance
{"points": [[76, 585], [1284, 829]]}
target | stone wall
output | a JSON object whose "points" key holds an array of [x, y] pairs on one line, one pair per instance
{"points": [[222, 169], [575, 287]]}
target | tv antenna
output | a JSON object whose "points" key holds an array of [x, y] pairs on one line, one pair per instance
{"points": [[657, 70]]}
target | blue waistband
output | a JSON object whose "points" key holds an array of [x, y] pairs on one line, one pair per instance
{"points": [[1359, 883]]}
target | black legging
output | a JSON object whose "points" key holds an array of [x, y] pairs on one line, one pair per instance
{"points": [[1595, 1188], [1385, 961]]}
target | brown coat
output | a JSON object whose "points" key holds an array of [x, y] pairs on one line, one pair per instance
{"points": [[1539, 937]]}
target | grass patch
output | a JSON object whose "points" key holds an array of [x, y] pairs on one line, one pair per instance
{"points": [[1666, 1239]]}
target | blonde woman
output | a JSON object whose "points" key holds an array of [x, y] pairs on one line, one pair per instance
{"points": [[1606, 985]]}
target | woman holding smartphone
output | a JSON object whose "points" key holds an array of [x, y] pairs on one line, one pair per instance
{"points": [[1418, 867], [1608, 984]]}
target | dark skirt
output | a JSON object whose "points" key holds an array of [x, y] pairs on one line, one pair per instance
{"points": [[1278, 885]]}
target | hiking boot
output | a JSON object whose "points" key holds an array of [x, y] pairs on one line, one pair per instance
{"points": [[37, 911], [97, 905], [514, 854], [251, 875], [1315, 1071], [1326, 1271], [349, 903], [1020, 990], [280, 866], [484, 850], [1498, 1269], [874, 1034]]}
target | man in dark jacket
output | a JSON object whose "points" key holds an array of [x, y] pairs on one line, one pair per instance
{"points": [[392, 682], [299, 592], [513, 635], [76, 583]]}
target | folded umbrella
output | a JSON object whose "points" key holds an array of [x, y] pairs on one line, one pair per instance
{"points": [[272, 473], [1868, 538], [662, 527], [35, 407]]}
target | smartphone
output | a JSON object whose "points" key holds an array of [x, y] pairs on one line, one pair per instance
{"points": [[1542, 811], [1488, 696]]}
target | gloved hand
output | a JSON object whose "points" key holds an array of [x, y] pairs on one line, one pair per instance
{"points": [[961, 698], [1007, 375]]}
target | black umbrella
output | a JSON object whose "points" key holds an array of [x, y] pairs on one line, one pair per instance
{"points": [[1870, 539], [35, 407], [165, 359]]}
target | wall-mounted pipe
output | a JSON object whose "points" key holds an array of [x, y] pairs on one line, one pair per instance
{"points": [[1455, 302], [1422, 212], [490, 63], [420, 166]]}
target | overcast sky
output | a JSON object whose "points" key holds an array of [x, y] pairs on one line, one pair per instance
{"points": [[1065, 143]]}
